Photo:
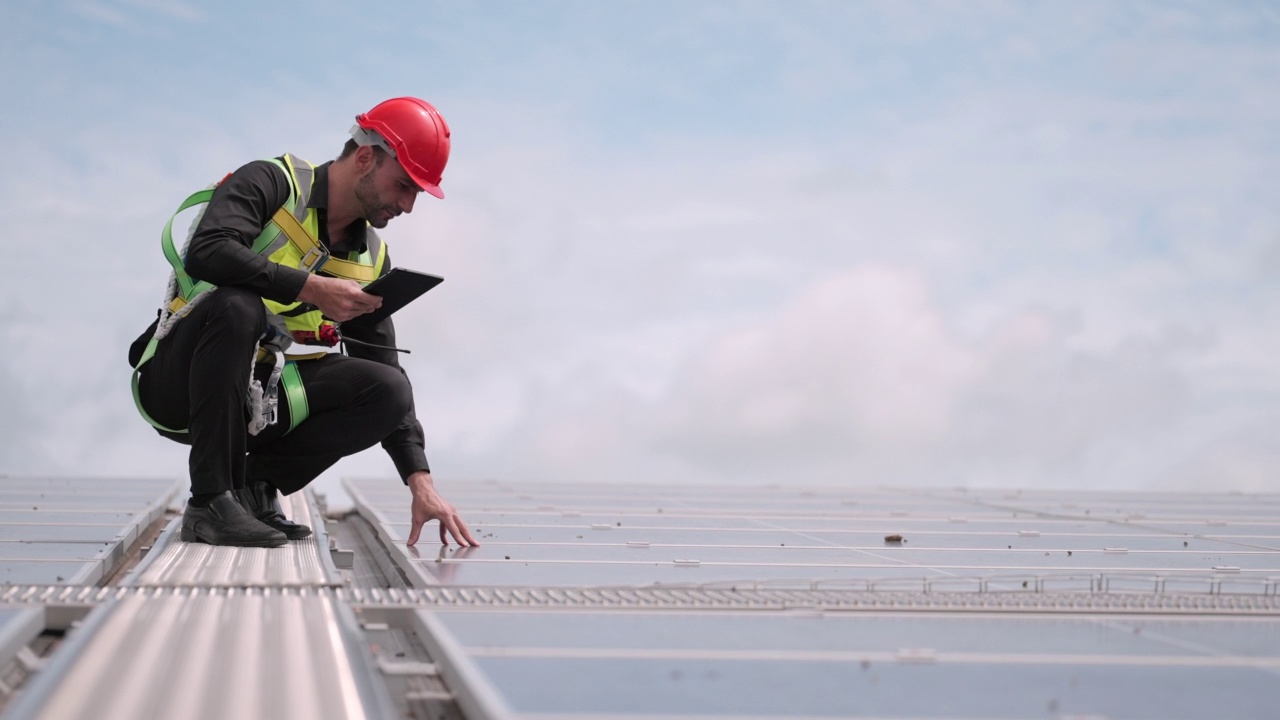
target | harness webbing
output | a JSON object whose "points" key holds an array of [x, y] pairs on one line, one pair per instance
{"points": [[186, 290], [295, 394], [314, 256], [290, 381]]}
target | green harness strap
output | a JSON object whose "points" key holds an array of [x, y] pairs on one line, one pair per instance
{"points": [[189, 288], [137, 398], [295, 394]]}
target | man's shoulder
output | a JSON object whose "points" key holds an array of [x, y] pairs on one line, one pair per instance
{"points": [[263, 168], [262, 178]]}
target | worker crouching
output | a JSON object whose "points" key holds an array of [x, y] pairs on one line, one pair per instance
{"points": [[276, 260]]}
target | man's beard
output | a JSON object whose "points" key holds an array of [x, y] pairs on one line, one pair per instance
{"points": [[371, 205]]}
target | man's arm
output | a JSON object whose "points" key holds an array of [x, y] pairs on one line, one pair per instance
{"points": [[221, 250], [406, 445]]}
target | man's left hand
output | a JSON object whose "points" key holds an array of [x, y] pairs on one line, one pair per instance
{"points": [[429, 505]]}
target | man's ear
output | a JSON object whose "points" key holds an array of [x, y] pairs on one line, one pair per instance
{"points": [[365, 158]]}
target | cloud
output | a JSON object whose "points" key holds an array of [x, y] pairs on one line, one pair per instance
{"points": [[21, 426], [1013, 245], [137, 16], [859, 364], [859, 379]]}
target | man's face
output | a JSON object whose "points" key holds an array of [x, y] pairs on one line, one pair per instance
{"points": [[384, 191]]}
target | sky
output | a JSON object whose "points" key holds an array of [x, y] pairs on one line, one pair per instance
{"points": [[979, 244]]}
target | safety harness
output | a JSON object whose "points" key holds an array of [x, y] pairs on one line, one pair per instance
{"points": [[290, 238]]}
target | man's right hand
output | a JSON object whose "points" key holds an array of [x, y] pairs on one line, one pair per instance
{"points": [[338, 299]]}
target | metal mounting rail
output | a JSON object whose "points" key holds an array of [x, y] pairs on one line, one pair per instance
{"points": [[687, 599]]}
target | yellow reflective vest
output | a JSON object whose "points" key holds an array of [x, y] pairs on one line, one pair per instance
{"points": [[291, 238]]}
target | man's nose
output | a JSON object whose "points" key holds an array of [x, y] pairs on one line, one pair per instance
{"points": [[406, 202]]}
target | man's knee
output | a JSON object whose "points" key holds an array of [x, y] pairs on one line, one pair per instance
{"points": [[393, 390], [237, 312]]}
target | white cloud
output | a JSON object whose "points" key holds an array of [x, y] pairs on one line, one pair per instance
{"points": [[961, 251]]}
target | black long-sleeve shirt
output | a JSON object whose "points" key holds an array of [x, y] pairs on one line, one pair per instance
{"points": [[221, 253]]}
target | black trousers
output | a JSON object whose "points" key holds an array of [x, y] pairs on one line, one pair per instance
{"points": [[198, 380]]}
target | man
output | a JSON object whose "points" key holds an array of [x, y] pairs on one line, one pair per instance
{"points": [[278, 257]]}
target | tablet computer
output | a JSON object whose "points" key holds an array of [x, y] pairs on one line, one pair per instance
{"points": [[397, 288]]}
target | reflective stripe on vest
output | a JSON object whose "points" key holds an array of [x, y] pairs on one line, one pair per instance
{"points": [[301, 225]]}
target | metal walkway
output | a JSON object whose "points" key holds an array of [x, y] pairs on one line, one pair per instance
{"points": [[301, 563], [156, 646], [210, 656]]}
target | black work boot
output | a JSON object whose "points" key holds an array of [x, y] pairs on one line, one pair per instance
{"points": [[262, 501], [224, 522]]}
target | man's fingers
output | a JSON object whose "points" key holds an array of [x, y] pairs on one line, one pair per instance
{"points": [[466, 533], [450, 522], [443, 540], [458, 529], [414, 532]]}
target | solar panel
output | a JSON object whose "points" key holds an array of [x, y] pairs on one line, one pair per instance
{"points": [[73, 530], [642, 664], [1008, 604], [552, 536]]}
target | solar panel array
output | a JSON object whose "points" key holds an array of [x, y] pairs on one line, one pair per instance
{"points": [[73, 530], [954, 539], [635, 602], [540, 622]]}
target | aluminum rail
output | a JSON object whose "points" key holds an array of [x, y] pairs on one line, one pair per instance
{"points": [[57, 597]]}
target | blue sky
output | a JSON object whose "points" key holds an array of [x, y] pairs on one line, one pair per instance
{"points": [[1028, 244]]}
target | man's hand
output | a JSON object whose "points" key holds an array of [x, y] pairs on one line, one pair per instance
{"points": [[338, 299], [428, 505]]}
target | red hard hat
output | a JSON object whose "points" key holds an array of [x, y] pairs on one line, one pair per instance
{"points": [[416, 134]]}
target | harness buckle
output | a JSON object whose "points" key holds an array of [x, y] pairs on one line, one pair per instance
{"points": [[313, 259]]}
